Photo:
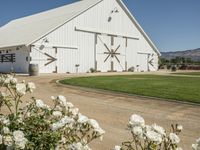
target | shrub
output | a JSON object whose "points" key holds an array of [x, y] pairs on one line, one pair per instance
{"points": [[174, 68], [131, 69], [183, 67], [169, 66], [150, 137], [40, 126], [92, 70]]}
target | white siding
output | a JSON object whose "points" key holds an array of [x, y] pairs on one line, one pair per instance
{"points": [[96, 19], [20, 65]]}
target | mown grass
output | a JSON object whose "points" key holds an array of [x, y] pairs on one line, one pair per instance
{"points": [[166, 87], [188, 73]]}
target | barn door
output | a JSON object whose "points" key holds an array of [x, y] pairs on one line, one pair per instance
{"points": [[45, 58], [142, 62], [110, 53], [67, 60]]}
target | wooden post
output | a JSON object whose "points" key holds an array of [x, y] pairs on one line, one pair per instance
{"points": [[95, 51], [56, 70], [112, 66], [96, 65], [112, 40], [126, 65]]}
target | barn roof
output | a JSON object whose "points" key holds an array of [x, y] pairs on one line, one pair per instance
{"points": [[25, 31]]}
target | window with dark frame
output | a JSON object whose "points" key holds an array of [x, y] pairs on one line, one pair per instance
{"points": [[7, 58]]}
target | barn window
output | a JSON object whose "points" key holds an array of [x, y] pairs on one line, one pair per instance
{"points": [[7, 58]]}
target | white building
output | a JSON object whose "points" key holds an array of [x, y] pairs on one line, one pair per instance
{"points": [[99, 34]]}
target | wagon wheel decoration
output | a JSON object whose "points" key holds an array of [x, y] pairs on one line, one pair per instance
{"points": [[112, 53]]}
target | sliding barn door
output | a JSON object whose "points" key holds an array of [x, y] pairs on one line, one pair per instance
{"points": [[110, 53], [67, 60]]}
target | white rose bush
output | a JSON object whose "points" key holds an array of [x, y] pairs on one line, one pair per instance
{"points": [[197, 145], [38, 126], [152, 137]]}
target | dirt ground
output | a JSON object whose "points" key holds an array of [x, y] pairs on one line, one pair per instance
{"points": [[112, 111]]}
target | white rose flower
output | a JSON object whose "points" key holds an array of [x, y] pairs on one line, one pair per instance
{"points": [[195, 147], [66, 120], [18, 135], [174, 138], [56, 126], [180, 127], [78, 146], [136, 120], [82, 119], [62, 100], [1, 139], [137, 130], [62, 123], [57, 114], [69, 105], [4, 120], [31, 86], [53, 97], [148, 128], [3, 94], [159, 129], [13, 81], [8, 79], [63, 140], [6, 130], [8, 141], [117, 147], [198, 141], [58, 108], [21, 144], [99, 132], [75, 146], [20, 119], [154, 137], [93, 123], [74, 111], [40, 103], [21, 88]]}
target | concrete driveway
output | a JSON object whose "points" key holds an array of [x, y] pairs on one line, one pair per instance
{"points": [[112, 111]]}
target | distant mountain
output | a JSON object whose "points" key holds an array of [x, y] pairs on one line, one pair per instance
{"points": [[193, 54]]}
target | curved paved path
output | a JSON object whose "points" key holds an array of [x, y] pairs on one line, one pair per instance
{"points": [[113, 111]]}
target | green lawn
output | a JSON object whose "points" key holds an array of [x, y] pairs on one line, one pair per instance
{"points": [[188, 73], [167, 87]]}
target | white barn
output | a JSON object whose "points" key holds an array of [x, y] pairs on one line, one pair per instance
{"points": [[98, 34]]}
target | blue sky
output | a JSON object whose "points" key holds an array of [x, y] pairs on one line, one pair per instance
{"points": [[171, 24]]}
